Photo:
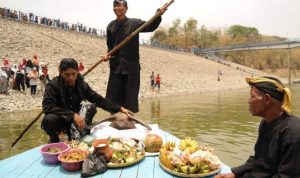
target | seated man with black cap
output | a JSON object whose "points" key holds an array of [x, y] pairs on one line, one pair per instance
{"points": [[277, 149], [62, 98]]}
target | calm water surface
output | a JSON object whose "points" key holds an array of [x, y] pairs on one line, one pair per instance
{"points": [[220, 119]]}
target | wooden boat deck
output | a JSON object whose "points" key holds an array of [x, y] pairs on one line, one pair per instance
{"points": [[30, 164]]}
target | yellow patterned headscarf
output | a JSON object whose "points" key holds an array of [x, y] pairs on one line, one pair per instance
{"points": [[273, 87]]}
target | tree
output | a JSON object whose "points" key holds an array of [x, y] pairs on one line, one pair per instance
{"points": [[175, 29], [190, 29], [159, 35], [207, 38], [242, 34]]}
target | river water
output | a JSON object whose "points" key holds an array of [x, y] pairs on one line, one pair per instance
{"points": [[219, 119]]}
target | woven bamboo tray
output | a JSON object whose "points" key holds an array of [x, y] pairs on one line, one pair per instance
{"points": [[116, 165], [179, 174]]}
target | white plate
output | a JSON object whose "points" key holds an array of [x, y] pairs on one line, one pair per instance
{"points": [[151, 154]]}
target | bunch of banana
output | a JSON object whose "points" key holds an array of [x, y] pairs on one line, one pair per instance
{"points": [[192, 169], [164, 154], [187, 157], [169, 145], [188, 145]]}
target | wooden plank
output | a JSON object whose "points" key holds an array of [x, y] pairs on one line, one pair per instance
{"points": [[225, 168], [163, 135], [5, 161], [41, 169], [131, 171], [22, 162], [112, 173], [158, 171], [146, 169], [58, 171]]}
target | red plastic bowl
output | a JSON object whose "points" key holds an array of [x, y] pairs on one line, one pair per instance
{"points": [[52, 158], [72, 165]]}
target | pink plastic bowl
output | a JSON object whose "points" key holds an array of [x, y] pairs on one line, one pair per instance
{"points": [[52, 158], [72, 165]]}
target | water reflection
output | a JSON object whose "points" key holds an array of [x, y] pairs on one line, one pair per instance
{"points": [[155, 109], [220, 119]]}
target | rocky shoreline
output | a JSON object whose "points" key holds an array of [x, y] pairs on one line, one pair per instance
{"points": [[181, 73]]}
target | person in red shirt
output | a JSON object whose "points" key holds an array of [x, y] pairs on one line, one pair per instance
{"points": [[6, 67], [35, 62], [23, 63], [157, 81], [81, 68]]}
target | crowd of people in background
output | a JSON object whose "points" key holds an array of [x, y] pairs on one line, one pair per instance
{"points": [[26, 72], [57, 23]]}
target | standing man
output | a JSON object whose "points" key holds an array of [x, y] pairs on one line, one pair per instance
{"points": [[62, 101], [277, 149], [124, 79], [157, 82], [152, 80]]}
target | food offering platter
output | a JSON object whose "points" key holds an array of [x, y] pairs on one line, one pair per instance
{"points": [[188, 159], [179, 174], [126, 152], [149, 154], [120, 165]]}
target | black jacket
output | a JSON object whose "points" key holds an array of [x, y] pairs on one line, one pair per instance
{"points": [[277, 151], [126, 59], [55, 99]]}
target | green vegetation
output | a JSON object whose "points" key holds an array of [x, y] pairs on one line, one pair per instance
{"points": [[188, 35]]}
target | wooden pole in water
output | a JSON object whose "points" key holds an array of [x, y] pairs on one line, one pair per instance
{"points": [[110, 53]]}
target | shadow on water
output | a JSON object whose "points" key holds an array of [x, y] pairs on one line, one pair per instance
{"points": [[219, 119]]}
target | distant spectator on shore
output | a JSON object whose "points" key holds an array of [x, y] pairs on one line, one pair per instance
{"points": [[81, 68], [33, 76], [35, 62], [28, 69], [220, 72], [23, 63], [44, 76], [6, 67], [3, 82], [5, 63], [219, 75], [157, 82], [36, 20], [13, 71], [19, 78], [152, 80], [1, 12], [44, 71]]}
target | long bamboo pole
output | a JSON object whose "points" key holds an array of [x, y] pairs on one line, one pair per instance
{"points": [[110, 53]]}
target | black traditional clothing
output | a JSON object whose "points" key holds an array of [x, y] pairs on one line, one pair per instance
{"points": [[277, 151], [61, 102], [124, 79]]}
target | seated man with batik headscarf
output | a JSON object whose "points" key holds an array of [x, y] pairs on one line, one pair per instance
{"points": [[277, 149]]}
